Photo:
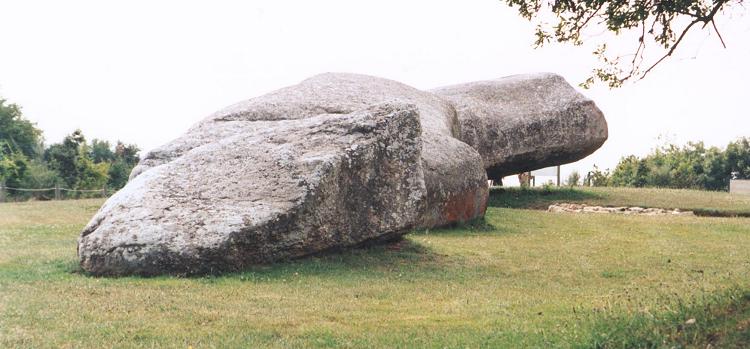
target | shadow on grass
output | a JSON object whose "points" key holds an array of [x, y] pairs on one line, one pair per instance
{"points": [[538, 198], [372, 261], [368, 261], [383, 255], [478, 226], [377, 260], [720, 213]]}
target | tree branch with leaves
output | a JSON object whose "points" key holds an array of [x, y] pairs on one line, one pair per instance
{"points": [[664, 23]]}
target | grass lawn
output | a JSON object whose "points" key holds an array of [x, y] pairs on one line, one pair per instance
{"points": [[520, 278], [709, 203]]}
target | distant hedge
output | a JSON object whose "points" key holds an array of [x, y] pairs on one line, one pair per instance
{"points": [[692, 166]]}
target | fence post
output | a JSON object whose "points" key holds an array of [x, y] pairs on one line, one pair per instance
{"points": [[57, 191], [104, 191], [2, 192]]}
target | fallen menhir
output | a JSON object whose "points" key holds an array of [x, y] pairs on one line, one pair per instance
{"points": [[337, 161]]}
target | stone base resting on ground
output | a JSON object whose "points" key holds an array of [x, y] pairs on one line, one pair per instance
{"points": [[336, 161], [634, 210]]}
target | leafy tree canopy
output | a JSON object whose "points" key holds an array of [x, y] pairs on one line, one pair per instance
{"points": [[73, 163], [663, 24], [18, 133], [100, 151], [65, 157], [128, 153], [91, 166]]}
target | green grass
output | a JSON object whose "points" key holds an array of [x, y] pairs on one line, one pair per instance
{"points": [[520, 278], [707, 203], [721, 320]]}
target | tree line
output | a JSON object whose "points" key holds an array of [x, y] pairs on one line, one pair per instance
{"points": [[74, 163], [691, 166]]}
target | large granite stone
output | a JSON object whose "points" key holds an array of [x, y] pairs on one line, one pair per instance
{"points": [[276, 190], [450, 171], [526, 122], [456, 181], [337, 161]]}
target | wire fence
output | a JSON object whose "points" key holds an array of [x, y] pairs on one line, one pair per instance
{"points": [[56, 193]]}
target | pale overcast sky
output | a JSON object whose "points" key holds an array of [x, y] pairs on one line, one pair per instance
{"points": [[144, 71]]}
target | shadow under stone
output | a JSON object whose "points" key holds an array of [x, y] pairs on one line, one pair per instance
{"points": [[526, 198]]}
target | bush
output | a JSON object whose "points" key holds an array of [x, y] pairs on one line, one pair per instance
{"points": [[38, 175], [597, 178], [693, 166], [574, 178]]}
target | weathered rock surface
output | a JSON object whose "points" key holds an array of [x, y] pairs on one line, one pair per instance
{"points": [[329, 93], [526, 122], [282, 190], [202, 204], [336, 161], [456, 180]]}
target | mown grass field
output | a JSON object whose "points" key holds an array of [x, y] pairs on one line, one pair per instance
{"points": [[708, 203], [520, 278]]}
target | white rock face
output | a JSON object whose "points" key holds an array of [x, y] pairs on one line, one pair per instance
{"points": [[336, 161]]}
